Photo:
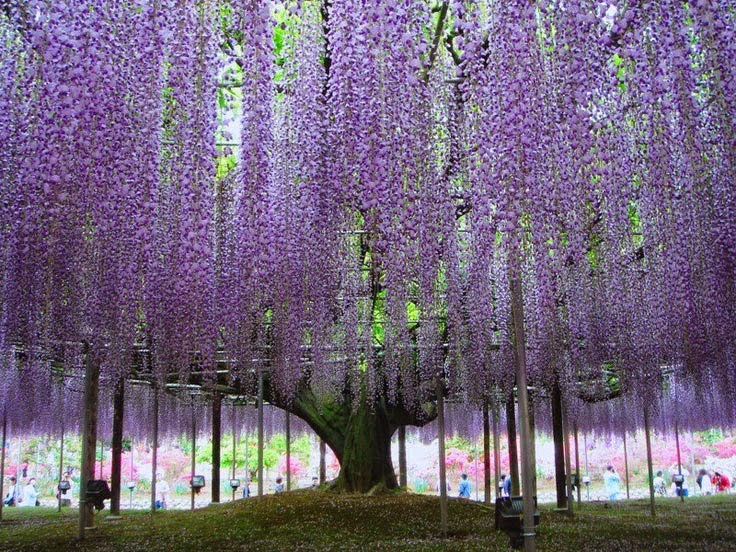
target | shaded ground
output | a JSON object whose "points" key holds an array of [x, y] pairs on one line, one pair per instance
{"points": [[307, 520]]}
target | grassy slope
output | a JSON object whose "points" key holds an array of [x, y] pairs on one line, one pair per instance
{"points": [[321, 521]]}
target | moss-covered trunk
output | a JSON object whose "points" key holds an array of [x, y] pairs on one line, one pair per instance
{"points": [[358, 433], [366, 458]]}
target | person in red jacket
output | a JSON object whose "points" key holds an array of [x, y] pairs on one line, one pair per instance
{"points": [[721, 483]]}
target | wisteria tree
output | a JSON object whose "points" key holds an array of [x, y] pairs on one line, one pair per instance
{"points": [[338, 196]]}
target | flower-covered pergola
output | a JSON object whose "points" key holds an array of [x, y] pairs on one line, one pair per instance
{"points": [[341, 195]]}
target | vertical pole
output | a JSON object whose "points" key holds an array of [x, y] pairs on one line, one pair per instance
{"points": [[532, 443], [441, 454], [235, 447], [194, 449], [288, 451], [626, 466], [486, 455], [587, 474], [216, 445], [2, 460], [102, 456], [559, 446], [496, 450], [568, 461], [577, 459], [475, 463], [118, 405], [402, 457], [61, 444], [513, 453], [692, 453], [527, 469], [649, 459], [245, 455], [679, 459], [260, 432], [89, 436], [130, 503], [154, 458], [322, 462]]}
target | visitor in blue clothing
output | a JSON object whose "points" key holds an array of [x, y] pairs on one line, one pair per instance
{"points": [[612, 482], [507, 486], [464, 487]]}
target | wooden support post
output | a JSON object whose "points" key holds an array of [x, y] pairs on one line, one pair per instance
{"points": [[288, 451], [679, 458], [154, 456], [577, 459], [102, 457], [528, 469], [194, 450], [2, 460], [486, 455], [245, 460], [322, 462], [402, 457], [441, 455], [692, 454], [496, 450], [118, 406], [585, 446], [532, 442], [89, 436], [216, 445], [61, 445], [260, 433], [649, 460], [626, 467], [559, 446], [568, 461], [235, 448], [513, 453]]}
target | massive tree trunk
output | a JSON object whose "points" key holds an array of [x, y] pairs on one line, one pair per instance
{"points": [[366, 459], [358, 431]]}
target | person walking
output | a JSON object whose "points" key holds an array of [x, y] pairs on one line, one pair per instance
{"points": [[463, 490], [612, 482]]}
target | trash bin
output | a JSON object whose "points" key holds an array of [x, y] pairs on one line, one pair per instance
{"points": [[510, 516], [97, 493]]}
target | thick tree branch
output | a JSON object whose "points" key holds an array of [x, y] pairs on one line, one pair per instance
{"points": [[438, 30]]}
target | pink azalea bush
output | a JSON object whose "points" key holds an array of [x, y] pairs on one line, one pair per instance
{"points": [[295, 467]]}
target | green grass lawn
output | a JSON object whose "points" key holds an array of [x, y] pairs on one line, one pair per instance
{"points": [[308, 520]]}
